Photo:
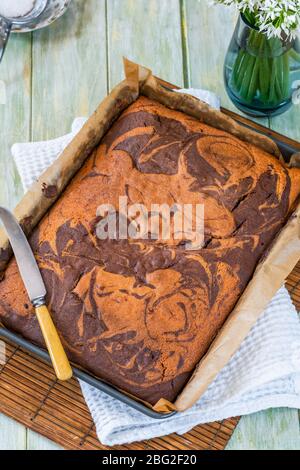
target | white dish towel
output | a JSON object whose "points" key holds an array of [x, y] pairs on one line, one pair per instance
{"points": [[264, 373]]}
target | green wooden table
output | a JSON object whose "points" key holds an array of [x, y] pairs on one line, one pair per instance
{"points": [[65, 70]]}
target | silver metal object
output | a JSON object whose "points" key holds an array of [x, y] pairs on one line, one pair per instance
{"points": [[27, 264], [5, 28], [6, 24], [43, 13]]}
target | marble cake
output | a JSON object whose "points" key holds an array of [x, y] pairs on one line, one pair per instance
{"points": [[140, 314]]}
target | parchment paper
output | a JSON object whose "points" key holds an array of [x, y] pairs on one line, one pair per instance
{"points": [[53, 181], [270, 273]]}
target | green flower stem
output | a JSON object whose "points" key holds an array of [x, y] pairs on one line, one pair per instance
{"points": [[239, 69], [281, 71], [254, 81], [272, 91], [294, 55], [262, 68], [237, 65], [247, 75], [286, 76], [264, 77], [279, 76], [243, 66]]}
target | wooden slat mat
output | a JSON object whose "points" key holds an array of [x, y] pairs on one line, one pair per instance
{"points": [[30, 394], [293, 285]]}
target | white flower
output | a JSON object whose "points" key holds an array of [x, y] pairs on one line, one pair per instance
{"points": [[273, 17]]}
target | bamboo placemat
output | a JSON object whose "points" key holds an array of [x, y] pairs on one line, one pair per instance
{"points": [[30, 394]]}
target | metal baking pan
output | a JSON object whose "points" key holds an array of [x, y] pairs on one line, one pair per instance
{"points": [[84, 376], [287, 147]]}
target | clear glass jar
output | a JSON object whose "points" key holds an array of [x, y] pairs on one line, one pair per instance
{"points": [[260, 73]]}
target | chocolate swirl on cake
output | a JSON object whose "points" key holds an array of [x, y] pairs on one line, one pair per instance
{"points": [[141, 313]]}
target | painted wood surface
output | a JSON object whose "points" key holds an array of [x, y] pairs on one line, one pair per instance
{"points": [[15, 114], [69, 69], [148, 32], [64, 71]]}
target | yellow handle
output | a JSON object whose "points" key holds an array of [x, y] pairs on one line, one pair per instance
{"points": [[57, 353]]}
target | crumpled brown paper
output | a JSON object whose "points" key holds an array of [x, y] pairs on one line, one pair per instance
{"points": [[270, 273]]}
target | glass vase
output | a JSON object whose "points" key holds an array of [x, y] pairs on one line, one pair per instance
{"points": [[261, 73]]}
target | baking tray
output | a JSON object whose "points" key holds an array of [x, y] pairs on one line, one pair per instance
{"points": [[287, 147], [84, 376]]}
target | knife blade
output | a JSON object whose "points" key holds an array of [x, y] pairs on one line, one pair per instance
{"points": [[26, 261], [36, 290]]}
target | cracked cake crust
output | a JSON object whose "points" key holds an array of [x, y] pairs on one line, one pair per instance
{"points": [[141, 314]]}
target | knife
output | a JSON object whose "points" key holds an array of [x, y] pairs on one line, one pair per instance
{"points": [[36, 290]]}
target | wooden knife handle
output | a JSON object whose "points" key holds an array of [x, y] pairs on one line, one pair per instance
{"points": [[57, 353]]}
